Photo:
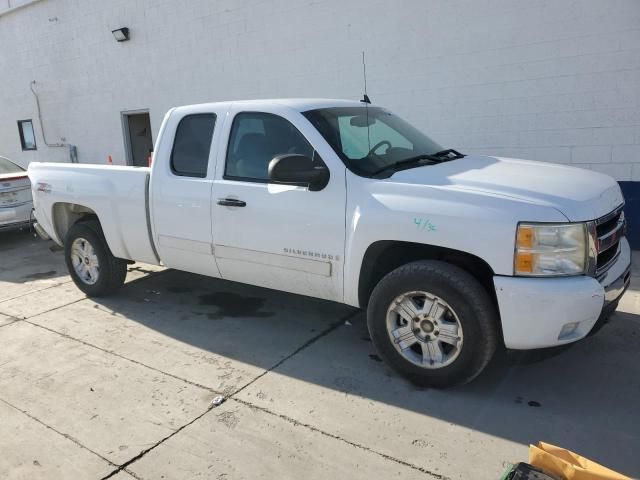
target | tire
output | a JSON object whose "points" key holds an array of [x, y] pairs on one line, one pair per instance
{"points": [[449, 335], [100, 273]]}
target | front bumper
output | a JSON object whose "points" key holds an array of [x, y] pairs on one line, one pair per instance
{"points": [[536, 312]]}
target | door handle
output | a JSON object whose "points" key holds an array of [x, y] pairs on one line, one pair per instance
{"points": [[231, 202]]}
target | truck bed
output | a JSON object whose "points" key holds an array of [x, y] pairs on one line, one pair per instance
{"points": [[118, 195]]}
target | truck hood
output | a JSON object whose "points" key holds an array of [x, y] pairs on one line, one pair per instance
{"points": [[578, 194]]}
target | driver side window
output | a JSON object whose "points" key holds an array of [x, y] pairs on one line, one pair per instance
{"points": [[256, 138]]}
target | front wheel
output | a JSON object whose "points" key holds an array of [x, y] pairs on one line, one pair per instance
{"points": [[433, 323], [91, 264]]}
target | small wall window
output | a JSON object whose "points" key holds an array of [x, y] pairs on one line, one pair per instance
{"points": [[191, 145], [27, 135]]}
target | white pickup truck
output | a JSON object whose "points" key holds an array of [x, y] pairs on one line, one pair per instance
{"points": [[451, 254]]}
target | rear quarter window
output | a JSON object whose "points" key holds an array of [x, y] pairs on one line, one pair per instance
{"points": [[192, 144]]}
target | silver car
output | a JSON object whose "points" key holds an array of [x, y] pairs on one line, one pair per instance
{"points": [[16, 203]]}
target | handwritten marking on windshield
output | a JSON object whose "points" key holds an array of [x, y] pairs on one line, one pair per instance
{"points": [[424, 224]]}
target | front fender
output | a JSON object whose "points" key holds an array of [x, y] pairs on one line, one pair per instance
{"points": [[483, 226]]}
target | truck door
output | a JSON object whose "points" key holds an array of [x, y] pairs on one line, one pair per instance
{"points": [[277, 236], [180, 189]]}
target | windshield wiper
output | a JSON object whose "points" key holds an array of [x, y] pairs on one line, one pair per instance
{"points": [[449, 154], [419, 160], [410, 162]]}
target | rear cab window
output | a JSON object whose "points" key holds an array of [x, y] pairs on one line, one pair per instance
{"points": [[192, 145]]}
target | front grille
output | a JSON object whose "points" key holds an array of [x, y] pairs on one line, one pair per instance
{"points": [[608, 231]]}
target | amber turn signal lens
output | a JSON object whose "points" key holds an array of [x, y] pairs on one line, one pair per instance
{"points": [[524, 262], [525, 237]]}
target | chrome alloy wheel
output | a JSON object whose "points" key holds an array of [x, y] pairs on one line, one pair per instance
{"points": [[424, 329], [85, 261]]}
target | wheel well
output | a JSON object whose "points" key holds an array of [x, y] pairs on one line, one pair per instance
{"points": [[67, 214], [384, 256]]}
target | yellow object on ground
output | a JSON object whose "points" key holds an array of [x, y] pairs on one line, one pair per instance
{"points": [[567, 465]]}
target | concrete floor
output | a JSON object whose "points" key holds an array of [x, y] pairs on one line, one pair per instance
{"points": [[121, 387]]}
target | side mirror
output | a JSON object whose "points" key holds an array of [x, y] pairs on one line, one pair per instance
{"points": [[300, 170]]}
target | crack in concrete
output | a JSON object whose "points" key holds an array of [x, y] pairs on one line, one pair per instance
{"points": [[123, 467], [328, 330], [65, 435], [116, 354], [149, 274], [295, 422], [9, 317], [132, 460], [309, 342], [53, 309], [147, 450], [34, 291], [298, 423], [133, 474]]}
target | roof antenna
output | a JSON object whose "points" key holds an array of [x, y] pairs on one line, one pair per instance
{"points": [[365, 98], [366, 101]]}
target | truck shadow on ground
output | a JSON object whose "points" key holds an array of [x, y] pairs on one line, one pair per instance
{"points": [[583, 398], [24, 259]]}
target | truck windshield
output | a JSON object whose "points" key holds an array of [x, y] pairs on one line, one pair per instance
{"points": [[370, 140], [7, 166]]}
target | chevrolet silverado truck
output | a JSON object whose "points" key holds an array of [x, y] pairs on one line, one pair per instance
{"points": [[451, 255]]}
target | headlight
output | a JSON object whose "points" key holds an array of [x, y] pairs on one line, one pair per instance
{"points": [[550, 249]]}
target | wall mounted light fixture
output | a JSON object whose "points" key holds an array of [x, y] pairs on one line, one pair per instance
{"points": [[121, 34]]}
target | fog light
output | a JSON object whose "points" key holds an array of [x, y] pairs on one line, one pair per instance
{"points": [[568, 329]]}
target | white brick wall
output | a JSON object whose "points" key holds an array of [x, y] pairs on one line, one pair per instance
{"points": [[553, 80]]}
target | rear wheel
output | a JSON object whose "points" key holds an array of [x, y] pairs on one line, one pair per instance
{"points": [[91, 264], [433, 323]]}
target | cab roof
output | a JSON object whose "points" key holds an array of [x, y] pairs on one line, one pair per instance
{"points": [[299, 104]]}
